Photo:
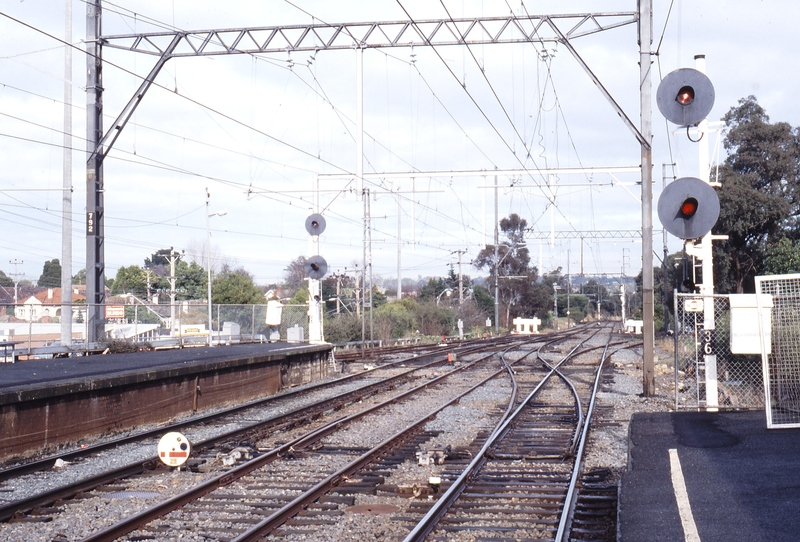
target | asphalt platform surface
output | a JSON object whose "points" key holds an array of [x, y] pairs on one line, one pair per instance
{"points": [[41, 372], [742, 480]]}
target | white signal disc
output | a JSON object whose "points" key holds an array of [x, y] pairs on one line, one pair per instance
{"points": [[174, 449]]}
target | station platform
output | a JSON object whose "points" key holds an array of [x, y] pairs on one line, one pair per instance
{"points": [[703, 476], [52, 403]]}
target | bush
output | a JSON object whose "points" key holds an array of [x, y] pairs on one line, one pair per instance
{"points": [[342, 329]]}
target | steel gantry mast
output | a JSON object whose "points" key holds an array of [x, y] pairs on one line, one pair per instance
{"points": [[166, 45]]}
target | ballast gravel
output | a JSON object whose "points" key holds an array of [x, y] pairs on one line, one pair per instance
{"points": [[457, 425]]}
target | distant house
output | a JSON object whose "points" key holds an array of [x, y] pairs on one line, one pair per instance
{"points": [[46, 305]]}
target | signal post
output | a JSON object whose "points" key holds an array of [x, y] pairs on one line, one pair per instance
{"points": [[689, 207]]}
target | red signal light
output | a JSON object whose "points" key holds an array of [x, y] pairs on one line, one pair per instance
{"points": [[689, 207], [685, 95]]}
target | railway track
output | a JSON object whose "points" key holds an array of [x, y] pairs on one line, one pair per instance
{"points": [[521, 484], [40, 507], [310, 483]]}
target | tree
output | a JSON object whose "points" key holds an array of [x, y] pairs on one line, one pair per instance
{"points": [[51, 274], [433, 319], [5, 280], [378, 298], [484, 300], [295, 276], [578, 306], [519, 293], [678, 269], [191, 281], [235, 287], [160, 258], [782, 257], [760, 195], [79, 277], [597, 292], [300, 296], [433, 289], [130, 280], [556, 277]]}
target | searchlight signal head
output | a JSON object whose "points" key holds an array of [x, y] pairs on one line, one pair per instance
{"points": [[688, 208], [315, 224], [316, 267], [685, 96]]}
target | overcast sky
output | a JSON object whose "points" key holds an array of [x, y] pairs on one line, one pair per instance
{"points": [[261, 132]]}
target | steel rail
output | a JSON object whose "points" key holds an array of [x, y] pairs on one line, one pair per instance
{"points": [[280, 516], [48, 462], [571, 499], [578, 409], [11, 509], [426, 525], [138, 520]]}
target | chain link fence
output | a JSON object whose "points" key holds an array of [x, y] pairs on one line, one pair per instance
{"points": [[34, 330], [779, 323], [294, 323], [707, 373]]}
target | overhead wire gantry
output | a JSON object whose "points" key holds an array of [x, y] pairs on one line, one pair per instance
{"points": [[166, 45]]}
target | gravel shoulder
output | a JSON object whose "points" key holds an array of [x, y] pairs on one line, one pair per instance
{"points": [[607, 444]]}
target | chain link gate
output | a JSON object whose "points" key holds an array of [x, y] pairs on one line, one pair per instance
{"points": [[779, 324], [704, 362]]}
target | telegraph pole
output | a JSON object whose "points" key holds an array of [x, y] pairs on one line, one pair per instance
{"points": [[15, 274], [173, 257], [646, 119], [460, 276], [556, 288]]}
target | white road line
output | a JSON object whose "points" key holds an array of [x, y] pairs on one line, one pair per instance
{"points": [[682, 498]]}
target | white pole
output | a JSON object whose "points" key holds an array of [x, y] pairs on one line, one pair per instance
{"points": [[360, 120], [361, 191], [552, 211], [315, 302], [208, 263], [66, 199], [399, 245], [706, 257], [496, 262]]}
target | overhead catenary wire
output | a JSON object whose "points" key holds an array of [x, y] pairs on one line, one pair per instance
{"points": [[164, 165], [453, 212], [198, 103]]}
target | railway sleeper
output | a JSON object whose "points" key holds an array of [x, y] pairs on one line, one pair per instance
{"points": [[514, 472], [492, 485], [496, 539], [475, 493], [313, 511], [543, 508], [346, 500], [366, 489], [498, 528], [346, 450], [263, 499], [237, 507], [504, 524], [27, 518], [302, 520]]}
